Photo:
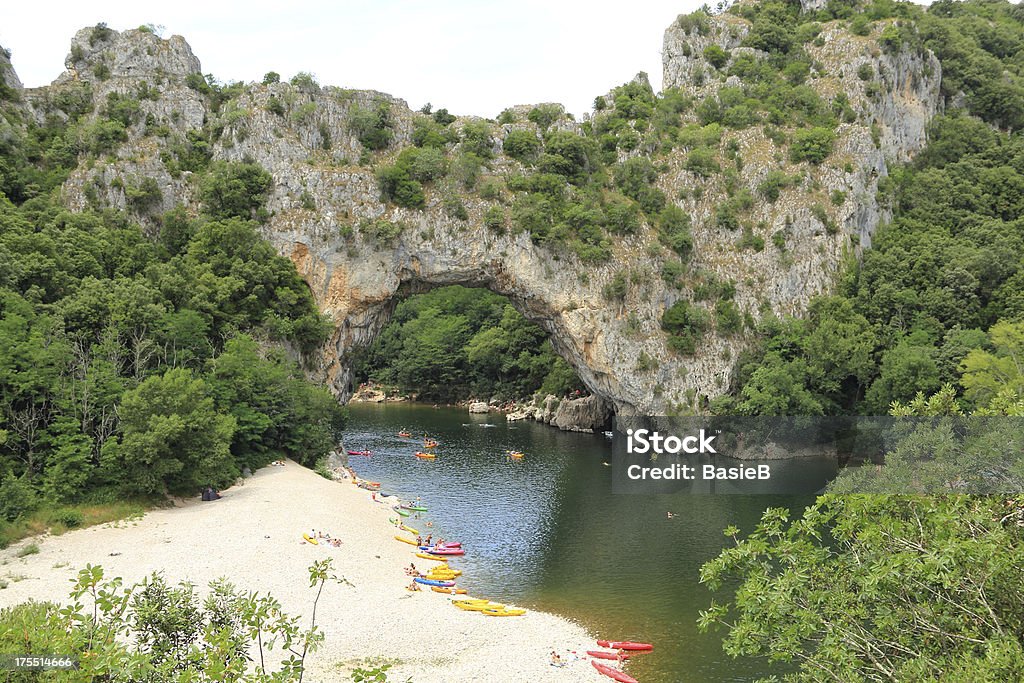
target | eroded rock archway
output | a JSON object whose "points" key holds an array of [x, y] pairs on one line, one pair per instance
{"points": [[604, 315]]}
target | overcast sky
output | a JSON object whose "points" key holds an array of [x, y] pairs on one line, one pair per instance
{"points": [[471, 56]]}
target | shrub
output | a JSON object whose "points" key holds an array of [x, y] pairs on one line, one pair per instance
{"points": [[16, 498], [716, 56], [275, 105], [271, 77], [545, 114], [772, 185], [235, 189], [494, 219], [398, 187], [372, 126], [305, 81], [674, 230], [476, 139], [621, 215], [381, 230], [30, 549], [865, 72], [144, 196], [812, 144], [521, 145], [727, 317], [702, 162], [616, 289], [684, 324]]}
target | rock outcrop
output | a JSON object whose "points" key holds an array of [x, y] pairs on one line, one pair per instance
{"points": [[360, 255]]}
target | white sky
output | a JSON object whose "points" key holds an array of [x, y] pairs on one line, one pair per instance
{"points": [[471, 56]]}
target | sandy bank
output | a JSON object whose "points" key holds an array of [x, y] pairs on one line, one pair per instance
{"points": [[253, 537]]}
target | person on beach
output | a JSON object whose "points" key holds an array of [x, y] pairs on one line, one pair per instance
{"points": [[419, 540], [621, 656], [413, 587], [556, 659], [210, 493], [429, 538]]}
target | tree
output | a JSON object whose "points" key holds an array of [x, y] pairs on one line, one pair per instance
{"points": [[986, 373], [878, 588], [173, 440], [235, 190]]}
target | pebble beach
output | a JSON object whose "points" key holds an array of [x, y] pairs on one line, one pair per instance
{"points": [[253, 537]]}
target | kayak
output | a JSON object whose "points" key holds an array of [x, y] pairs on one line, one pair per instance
{"points": [[366, 453], [504, 612], [613, 673], [601, 654], [450, 591], [414, 508], [430, 444], [625, 645], [442, 546], [310, 539], [430, 557], [445, 551], [477, 606], [405, 540], [470, 601], [409, 529], [424, 456], [432, 582], [404, 513], [405, 434]]}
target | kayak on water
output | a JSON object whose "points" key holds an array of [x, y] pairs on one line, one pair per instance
{"points": [[404, 513], [414, 508], [625, 645], [424, 456], [601, 654], [366, 453], [613, 673], [432, 582], [405, 434]]}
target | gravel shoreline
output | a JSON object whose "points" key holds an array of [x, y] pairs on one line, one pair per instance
{"points": [[253, 536]]}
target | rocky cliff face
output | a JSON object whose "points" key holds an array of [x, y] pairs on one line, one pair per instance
{"points": [[361, 255]]}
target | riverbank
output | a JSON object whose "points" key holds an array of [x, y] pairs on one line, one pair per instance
{"points": [[253, 536]]}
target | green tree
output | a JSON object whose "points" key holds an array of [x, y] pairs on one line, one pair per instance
{"points": [[172, 438]]}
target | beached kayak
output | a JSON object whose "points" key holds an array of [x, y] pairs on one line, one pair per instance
{"points": [[625, 645], [409, 529], [310, 539], [445, 551], [504, 612], [614, 674], [414, 508], [410, 541], [601, 654], [431, 557], [432, 582], [477, 606], [404, 513], [450, 591]]}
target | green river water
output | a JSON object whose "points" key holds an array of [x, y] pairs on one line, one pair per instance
{"points": [[546, 532]]}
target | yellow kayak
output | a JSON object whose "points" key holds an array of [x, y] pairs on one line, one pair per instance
{"points": [[431, 557], [408, 528], [450, 591], [504, 612], [310, 539], [403, 539], [470, 601], [478, 607]]}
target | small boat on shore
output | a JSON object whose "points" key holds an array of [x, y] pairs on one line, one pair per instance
{"points": [[504, 612], [614, 674], [403, 539], [450, 591], [625, 645], [444, 551], [431, 557], [601, 654], [404, 513], [431, 582]]}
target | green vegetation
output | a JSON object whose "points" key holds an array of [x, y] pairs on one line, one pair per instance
{"points": [[133, 365], [454, 343], [158, 632]]}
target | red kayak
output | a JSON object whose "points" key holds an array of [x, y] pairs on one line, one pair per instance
{"points": [[625, 645], [366, 453], [613, 673], [601, 654]]}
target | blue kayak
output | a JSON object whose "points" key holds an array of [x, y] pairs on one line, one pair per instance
{"points": [[432, 582]]}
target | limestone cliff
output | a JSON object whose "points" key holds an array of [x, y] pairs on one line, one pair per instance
{"points": [[360, 255]]}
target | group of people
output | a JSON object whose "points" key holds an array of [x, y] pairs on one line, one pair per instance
{"points": [[322, 537]]}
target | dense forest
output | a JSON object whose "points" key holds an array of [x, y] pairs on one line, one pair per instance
{"points": [[134, 365], [455, 343]]}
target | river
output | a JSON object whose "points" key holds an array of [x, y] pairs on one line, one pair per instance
{"points": [[547, 533]]}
